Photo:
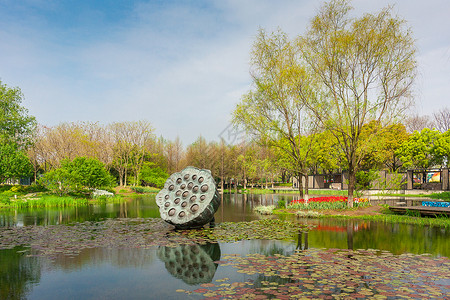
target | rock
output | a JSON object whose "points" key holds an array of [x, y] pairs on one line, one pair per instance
{"points": [[98, 193]]}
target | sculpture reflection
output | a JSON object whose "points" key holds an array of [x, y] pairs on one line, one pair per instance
{"points": [[193, 263]]}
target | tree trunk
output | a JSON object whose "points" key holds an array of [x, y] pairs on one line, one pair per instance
{"points": [[300, 185], [120, 178], [351, 185], [306, 196]]}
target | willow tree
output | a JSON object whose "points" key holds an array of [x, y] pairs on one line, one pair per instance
{"points": [[365, 68], [274, 111]]}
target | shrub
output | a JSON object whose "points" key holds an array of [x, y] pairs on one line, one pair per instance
{"points": [[17, 189], [77, 175], [281, 203]]}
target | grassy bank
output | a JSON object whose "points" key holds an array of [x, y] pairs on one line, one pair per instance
{"points": [[441, 221], [54, 201], [17, 196], [383, 215]]}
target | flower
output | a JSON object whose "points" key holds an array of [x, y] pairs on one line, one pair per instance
{"points": [[322, 199]]}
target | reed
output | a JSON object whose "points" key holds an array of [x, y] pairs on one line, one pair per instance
{"points": [[54, 201]]}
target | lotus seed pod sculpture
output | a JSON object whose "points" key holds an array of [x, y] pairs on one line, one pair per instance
{"points": [[189, 198]]}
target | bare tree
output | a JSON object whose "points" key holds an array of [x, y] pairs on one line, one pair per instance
{"points": [[442, 119], [417, 123], [130, 139], [174, 153]]}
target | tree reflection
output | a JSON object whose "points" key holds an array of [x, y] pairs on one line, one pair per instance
{"points": [[18, 273], [300, 244]]}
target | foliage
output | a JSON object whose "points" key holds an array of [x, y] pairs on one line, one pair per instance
{"points": [[77, 175], [364, 69], [418, 150], [391, 139], [14, 164], [364, 179], [16, 126], [441, 149], [274, 111], [325, 156], [281, 203], [395, 182], [153, 175]]}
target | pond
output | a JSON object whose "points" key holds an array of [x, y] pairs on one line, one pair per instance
{"points": [[124, 251]]}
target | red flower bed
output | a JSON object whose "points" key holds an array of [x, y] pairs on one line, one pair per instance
{"points": [[322, 199]]}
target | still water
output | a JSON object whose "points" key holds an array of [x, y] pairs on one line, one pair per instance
{"points": [[133, 273]]}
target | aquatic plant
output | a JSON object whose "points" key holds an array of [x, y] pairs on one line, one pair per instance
{"points": [[331, 274]]}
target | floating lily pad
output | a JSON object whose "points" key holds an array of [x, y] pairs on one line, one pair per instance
{"points": [[337, 273]]}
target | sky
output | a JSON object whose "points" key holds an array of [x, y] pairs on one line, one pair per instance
{"points": [[181, 65]]}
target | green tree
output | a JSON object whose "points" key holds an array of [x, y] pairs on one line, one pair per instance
{"points": [[364, 69], [418, 150], [77, 175], [326, 156], [441, 148], [15, 123], [392, 138], [14, 164], [153, 175], [274, 111]]}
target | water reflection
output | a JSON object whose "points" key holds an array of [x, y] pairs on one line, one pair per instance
{"points": [[194, 264], [18, 273], [302, 244], [329, 233]]}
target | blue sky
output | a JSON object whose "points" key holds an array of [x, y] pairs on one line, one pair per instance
{"points": [[182, 65]]}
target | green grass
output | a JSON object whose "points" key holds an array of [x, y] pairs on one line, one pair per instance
{"points": [[402, 195], [441, 196], [33, 196], [144, 189], [329, 192], [440, 221], [44, 201]]}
